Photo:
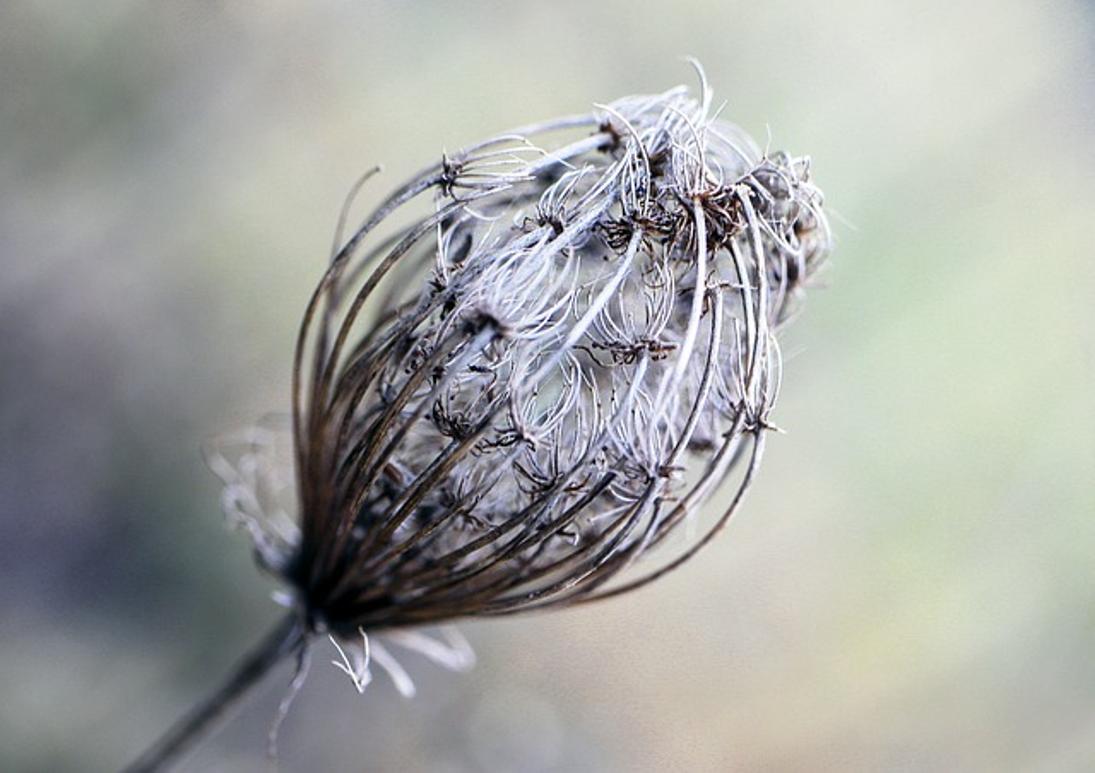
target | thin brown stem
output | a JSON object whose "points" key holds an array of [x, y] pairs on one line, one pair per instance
{"points": [[202, 720]]}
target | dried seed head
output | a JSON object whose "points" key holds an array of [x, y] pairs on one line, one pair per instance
{"points": [[565, 357]]}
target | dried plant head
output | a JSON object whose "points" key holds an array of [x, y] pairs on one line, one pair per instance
{"points": [[504, 400], [532, 363]]}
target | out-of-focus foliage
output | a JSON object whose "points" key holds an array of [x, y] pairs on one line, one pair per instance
{"points": [[910, 586]]}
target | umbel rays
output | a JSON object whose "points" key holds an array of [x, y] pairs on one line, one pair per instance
{"points": [[529, 366]]}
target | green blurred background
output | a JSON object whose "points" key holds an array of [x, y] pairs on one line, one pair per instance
{"points": [[911, 586]]}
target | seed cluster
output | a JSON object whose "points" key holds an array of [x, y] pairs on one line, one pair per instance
{"points": [[501, 402]]}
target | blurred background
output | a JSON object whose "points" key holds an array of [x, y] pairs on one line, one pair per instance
{"points": [[911, 585]]}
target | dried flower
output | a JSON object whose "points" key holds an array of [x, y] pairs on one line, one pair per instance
{"points": [[502, 402]]}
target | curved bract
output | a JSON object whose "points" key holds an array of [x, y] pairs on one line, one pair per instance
{"points": [[538, 358]]}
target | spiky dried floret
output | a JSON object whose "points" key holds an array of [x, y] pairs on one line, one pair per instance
{"points": [[501, 403]]}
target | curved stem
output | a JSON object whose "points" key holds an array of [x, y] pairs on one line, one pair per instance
{"points": [[286, 638]]}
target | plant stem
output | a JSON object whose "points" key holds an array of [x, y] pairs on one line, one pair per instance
{"points": [[285, 639]]}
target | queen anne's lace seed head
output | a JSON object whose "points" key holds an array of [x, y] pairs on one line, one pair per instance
{"points": [[504, 401]]}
